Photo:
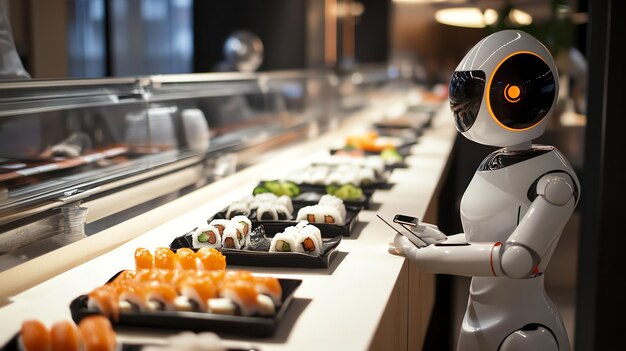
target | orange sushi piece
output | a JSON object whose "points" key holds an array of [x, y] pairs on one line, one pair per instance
{"points": [[34, 336], [186, 258], [105, 299], [243, 293], [164, 258], [162, 293], [143, 259], [211, 259], [239, 274], [269, 286], [134, 293], [97, 334], [64, 336], [125, 276], [199, 290]]}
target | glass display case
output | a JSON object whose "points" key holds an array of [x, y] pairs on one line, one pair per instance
{"points": [[66, 143]]}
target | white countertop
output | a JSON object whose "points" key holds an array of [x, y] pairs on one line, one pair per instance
{"points": [[335, 308]]}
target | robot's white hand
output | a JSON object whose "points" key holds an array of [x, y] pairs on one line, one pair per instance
{"points": [[429, 233], [400, 245]]}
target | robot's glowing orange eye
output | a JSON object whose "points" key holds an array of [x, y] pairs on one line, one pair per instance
{"points": [[512, 93]]}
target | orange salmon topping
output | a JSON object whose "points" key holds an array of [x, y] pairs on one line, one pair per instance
{"points": [[186, 258], [164, 258], [35, 335], [97, 333], [143, 259], [64, 336]]}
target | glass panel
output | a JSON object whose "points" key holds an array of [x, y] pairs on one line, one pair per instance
{"points": [[86, 38], [151, 37]]}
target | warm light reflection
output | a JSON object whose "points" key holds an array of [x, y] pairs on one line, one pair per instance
{"points": [[520, 17], [473, 17]]}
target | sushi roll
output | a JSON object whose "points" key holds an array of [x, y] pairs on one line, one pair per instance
{"points": [[246, 228], [320, 214], [206, 236], [306, 213], [269, 286], [198, 290], [33, 336], [314, 231], [333, 201], [244, 295], [64, 336], [283, 242], [283, 212], [308, 243], [237, 209], [160, 297], [285, 201], [220, 224], [266, 212], [132, 297], [97, 334], [105, 300], [231, 239]]}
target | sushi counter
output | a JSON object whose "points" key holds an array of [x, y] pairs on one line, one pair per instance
{"points": [[348, 294]]}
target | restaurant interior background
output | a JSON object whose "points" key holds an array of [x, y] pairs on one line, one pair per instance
{"points": [[122, 38]]}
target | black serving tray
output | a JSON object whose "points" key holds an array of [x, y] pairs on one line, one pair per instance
{"points": [[11, 345], [328, 230], [197, 321], [254, 258]]}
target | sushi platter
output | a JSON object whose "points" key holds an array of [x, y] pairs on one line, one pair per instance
{"points": [[276, 219], [258, 326], [260, 256]]}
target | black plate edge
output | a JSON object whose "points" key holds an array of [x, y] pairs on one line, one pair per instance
{"points": [[198, 321]]}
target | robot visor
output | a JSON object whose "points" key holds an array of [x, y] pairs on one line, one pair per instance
{"points": [[465, 96]]}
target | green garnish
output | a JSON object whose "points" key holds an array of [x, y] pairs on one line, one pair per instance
{"points": [[203, 238], [259, 190], [285, 247], [347, 192], [278, 188]]}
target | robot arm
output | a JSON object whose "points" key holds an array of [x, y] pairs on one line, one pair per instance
{"points": [[520, 256]]}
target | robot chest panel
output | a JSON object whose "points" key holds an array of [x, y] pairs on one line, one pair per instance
{"points": [[493, 205]]}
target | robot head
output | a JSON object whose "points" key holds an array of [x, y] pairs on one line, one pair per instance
{"points": [[504, 90], [243, 50]]}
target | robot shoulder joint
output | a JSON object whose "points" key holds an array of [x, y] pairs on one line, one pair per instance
{"points": [[557, 188]]}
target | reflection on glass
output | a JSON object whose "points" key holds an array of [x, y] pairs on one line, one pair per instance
{"points": [[151, 37], [86, 38]]}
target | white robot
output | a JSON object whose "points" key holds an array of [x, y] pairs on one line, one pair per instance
{"points": [[520, 198]]}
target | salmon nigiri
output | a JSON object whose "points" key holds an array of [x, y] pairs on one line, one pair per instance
{"points": [[34, 336], [97, 334], [64, 336]]}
